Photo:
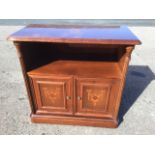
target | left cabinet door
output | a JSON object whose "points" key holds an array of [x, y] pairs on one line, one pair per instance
{"points": [[53, 95]]}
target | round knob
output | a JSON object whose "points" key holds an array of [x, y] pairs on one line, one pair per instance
{"points": [[68, 97], [79, 97]]}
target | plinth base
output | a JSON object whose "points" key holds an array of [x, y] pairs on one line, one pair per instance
{"points": [[99, 122]]}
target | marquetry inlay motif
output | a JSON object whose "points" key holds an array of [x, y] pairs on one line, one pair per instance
{"points": [[52, 95], [95, 98]]}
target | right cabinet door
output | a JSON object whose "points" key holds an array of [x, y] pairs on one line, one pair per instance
{"points": [[96, 97]]}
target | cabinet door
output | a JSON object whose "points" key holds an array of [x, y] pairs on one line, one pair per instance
{"points": [[53, 95], [96, 97]]}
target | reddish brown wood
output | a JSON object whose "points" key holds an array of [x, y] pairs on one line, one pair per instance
{"points": [[96, 97], [76, 34], [75, 74], [80, 68], [53, 95], [86, 121]]}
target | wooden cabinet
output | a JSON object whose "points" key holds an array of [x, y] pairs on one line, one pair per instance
{"points": [[75, 74], [74, 96]]}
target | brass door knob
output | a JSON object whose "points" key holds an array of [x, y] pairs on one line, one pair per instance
{"points": [[79, 98], [68, 97]]}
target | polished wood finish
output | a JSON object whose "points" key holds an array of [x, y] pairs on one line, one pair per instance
{"points": [[75, 74], [80, 68], [96, 97], [52, 94], [76, 34]]}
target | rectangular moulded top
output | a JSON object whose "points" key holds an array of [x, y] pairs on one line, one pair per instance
{"points": [[76, 34]]}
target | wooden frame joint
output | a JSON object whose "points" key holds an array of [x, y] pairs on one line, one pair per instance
{"points": [[129, 50]]}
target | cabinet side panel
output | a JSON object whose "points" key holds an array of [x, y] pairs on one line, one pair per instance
{"points": [[32, 55], [22, 61], [123, 62]]}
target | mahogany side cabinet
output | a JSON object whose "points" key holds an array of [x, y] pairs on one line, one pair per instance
{"points": [[74, 74]]}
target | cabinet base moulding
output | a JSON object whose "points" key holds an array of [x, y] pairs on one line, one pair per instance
{"points": [[83, 121]]}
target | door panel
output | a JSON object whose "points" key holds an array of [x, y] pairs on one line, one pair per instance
{"points": [[53, 94], [96, 97]]}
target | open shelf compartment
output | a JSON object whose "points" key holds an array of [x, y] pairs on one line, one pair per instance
{"points": [[77, 60], [79, 68]]}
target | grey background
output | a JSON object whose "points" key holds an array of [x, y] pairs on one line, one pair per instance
{"points": [[137, 110], [129, 22]]}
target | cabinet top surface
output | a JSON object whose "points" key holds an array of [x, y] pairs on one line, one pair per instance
{"points": [[76, 34]]}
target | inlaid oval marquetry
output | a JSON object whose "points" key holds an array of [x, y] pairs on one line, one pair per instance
{"points": [[94, 97], [52, 95]]}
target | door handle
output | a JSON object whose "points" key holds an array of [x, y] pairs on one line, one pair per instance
{"points": [[68, 97], [79, 98]]}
